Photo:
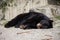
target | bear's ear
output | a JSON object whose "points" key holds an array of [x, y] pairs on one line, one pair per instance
{"points": [[51, 20]]}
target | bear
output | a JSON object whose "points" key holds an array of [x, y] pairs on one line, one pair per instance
{"points": [[30, 20]]}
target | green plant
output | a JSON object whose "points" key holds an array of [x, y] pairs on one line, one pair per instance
{"points": [[58, 17], [4, 4]]}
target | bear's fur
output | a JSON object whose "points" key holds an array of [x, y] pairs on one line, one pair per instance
{"points": [[30, 20]]}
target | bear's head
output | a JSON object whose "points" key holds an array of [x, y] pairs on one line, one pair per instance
{"points": [[45, 24]]}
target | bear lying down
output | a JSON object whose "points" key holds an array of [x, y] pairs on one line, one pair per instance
{"points": [[31, 20]]}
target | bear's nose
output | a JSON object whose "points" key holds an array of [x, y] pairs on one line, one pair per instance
{"points": [[39, 25]]}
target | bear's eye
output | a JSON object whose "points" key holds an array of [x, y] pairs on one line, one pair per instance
{"points": [[45, 24]]}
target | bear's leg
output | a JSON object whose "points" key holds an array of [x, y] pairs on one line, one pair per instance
{"points": [[15, 20]]}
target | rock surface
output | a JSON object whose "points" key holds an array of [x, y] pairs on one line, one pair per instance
{"points": [[29, 34]]}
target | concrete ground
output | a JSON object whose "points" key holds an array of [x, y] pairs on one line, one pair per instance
{"points": [[29, 34]]}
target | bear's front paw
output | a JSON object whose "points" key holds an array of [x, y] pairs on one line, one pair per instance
{"points": [[22, 26]]}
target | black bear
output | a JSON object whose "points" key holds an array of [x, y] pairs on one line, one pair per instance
{"points": [[31, 20]]}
